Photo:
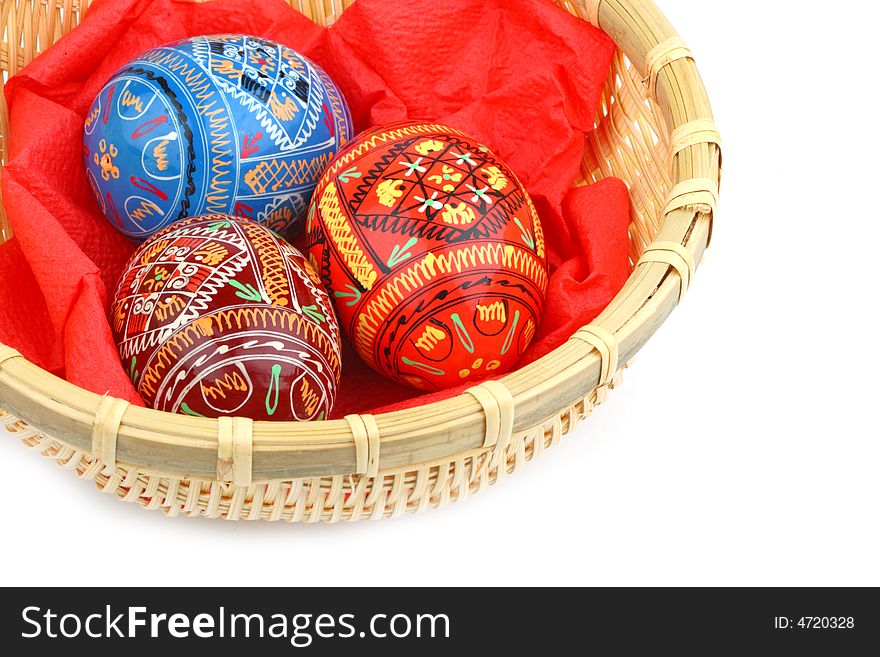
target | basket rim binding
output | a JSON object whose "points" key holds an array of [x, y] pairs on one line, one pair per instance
{"points": [[482, 419]]}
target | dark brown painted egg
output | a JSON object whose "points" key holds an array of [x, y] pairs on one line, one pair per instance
{"points": [[218, 316]]}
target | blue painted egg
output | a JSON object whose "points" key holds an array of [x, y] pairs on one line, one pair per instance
{"points": [[226, 123]]}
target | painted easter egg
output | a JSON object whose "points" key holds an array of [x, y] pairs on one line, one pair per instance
{"points": [[433, 252], [219, 316], [214, 124]]}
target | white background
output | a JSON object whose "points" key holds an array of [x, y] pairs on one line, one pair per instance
{"points": [[743, 447]]}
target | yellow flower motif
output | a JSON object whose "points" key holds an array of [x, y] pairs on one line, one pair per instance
{"points": [[493, 312], [449, 176], [459, 215], [225, 67], [495, 178], [429, 146], [105, 160], [389, 191], [284, 111], [159, 279], [430, 339], [211, 254]]}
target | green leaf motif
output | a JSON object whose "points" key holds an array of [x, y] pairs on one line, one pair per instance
{"points": [[399, 254], [246, 291], [430, 369], [188, 411], [463, 336], [314, 314], [217, 225], [355, 295], [273, 392], [348, 174], [133, 373], [526, 235], [508, 341]]}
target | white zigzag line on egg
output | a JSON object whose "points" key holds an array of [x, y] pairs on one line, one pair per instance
{"points": [[274, 131], [271, 127], [313, 114], [199, 302], [219, 278], [309, 125], [296, 200], [201, 53]]}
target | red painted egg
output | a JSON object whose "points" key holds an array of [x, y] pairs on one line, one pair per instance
{"points": [[433, 252], [219, 316]]}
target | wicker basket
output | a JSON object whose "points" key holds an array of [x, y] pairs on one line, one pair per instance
{"points": [[655, 131]]}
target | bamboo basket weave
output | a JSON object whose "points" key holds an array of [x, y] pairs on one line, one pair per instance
{"points": [[654, 131]]}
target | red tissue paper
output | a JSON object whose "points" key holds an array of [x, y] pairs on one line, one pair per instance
{"points": [[522, 76]]}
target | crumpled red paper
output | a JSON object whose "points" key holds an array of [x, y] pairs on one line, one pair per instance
{"points": [[521, 76], [24, 318]]}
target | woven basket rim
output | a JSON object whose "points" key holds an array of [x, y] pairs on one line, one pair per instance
{"points": [[247, 452]]}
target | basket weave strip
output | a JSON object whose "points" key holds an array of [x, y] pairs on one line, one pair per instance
{"points": [[661, 56], [366, 443], [235, 450], [677, 257], [605, 343], [690, 134], [499, 409], [105, 430], [654, 130], [330, 499]]}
